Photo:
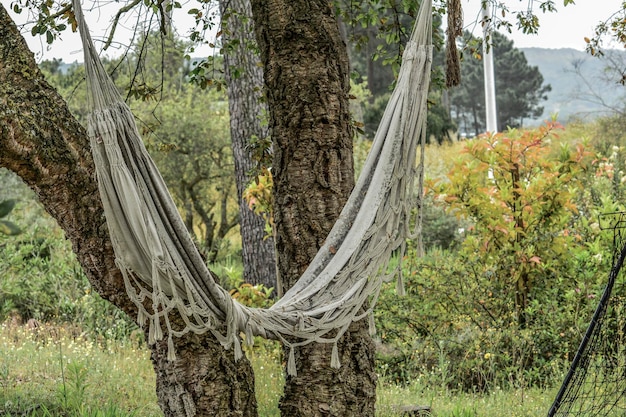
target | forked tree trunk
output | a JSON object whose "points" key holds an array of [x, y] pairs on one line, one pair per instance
{"points": [[244, 78], [307, 81], [49, 150]]}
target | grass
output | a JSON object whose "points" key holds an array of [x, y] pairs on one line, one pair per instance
{"points": [[51, 371], [268, 377], [516, 403]]}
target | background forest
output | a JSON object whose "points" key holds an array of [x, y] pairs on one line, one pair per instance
{"points": [[514, 261]]}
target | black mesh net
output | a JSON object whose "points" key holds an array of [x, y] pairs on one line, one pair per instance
{"points": [[596, 382]]}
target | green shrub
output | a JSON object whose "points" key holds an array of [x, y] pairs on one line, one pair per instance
{"points": [[257, 296], [519, 197], [6, 227], [42, 280], [457, 329], [229, 272], [440, 230]]}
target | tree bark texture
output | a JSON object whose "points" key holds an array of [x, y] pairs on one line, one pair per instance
{"points": [[44, 144], [307, 83], [244, 78]]}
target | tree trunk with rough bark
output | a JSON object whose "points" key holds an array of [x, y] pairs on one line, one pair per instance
{"points": [[307, 82], [44, 144], [245, 88]]}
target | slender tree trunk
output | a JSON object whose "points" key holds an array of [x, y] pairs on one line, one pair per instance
{"points": [[44, 144], [244, 78], [522, 288], [307, 81]]}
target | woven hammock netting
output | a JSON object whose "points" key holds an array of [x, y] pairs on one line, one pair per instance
{"points": [[164, 273], [595, 385]]}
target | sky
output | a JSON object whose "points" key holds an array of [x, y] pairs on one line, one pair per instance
{"points": [[564, 29], [69, 48]]}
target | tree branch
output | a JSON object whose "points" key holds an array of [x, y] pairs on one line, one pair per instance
{"points": [[116, 21]]}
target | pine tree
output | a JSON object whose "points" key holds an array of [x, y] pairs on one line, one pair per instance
{"points": [[519, 87]]}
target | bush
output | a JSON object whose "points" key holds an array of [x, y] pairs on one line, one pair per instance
{"points": [[43, 281], [456, 329], [519, 197], [440, 230]]}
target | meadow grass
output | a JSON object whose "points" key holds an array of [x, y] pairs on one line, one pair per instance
{"points": [[51, 371], [510, 403]]}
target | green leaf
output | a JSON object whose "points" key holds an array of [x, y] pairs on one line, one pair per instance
{"points": [[6, 207], [9, 228], [49, 37]]}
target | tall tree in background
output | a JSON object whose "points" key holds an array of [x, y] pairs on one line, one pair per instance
{"points": [[519, 88], [377, 36], [306, 73], [244, 79], [521, 85]]}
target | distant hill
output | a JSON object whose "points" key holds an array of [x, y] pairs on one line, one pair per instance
{"points": [[570, 96]]}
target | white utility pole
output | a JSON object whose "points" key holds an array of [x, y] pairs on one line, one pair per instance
{"points": [[490, 85]]}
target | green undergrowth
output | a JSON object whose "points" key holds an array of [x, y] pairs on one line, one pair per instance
{"points": [[52, 370]]}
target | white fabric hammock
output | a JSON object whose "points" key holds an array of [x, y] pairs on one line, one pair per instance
{"points": [[163, 272]]}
